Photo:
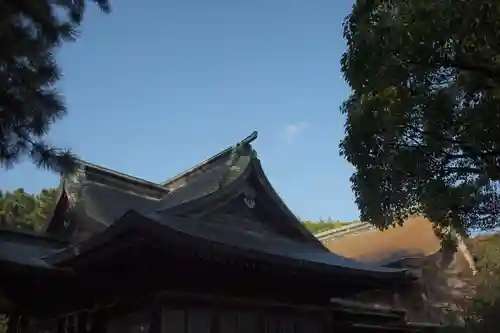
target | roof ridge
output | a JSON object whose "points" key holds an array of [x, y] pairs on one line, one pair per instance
{"points": [[211, 159], [345, 230], [128, 177], [31, 235]]}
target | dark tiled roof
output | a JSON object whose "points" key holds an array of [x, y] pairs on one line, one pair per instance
{"points": [[207, 164], [24, 254], [261, 240], [100, 197], [27, 249], [254, 242], [203, 184], [102, 203], [95, 173], [106, 204]]}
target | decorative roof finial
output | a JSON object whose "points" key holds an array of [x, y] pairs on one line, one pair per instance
{"points": [[249, 138], [238, 150]]}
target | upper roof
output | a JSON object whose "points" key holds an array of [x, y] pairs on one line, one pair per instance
{"points": [[211, 162], [97, 196], [364, 242]]}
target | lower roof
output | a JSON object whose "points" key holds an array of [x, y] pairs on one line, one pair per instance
{"points": [[415, 239], [27, 249], [226, 236]]}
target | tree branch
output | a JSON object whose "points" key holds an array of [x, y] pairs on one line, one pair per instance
{"points": [[493, 73], [471, 152], [463, 170], [460, 65]]}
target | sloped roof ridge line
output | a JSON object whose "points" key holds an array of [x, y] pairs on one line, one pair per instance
{"points": [[200, 165], [31, 235], [352, 227], [121, 175]]}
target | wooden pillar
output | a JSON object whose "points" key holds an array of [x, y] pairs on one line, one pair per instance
{"points": [[98, 324], [13, 323], [215, 327], [61, 325], [156, 320], [82, 321], [329, 322], [17, 323], [71, 324]]}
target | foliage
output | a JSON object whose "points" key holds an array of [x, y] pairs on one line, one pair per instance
{"points": [[19, 209], [422, 123], [482, 312], [316, 227], [31, 31], [486, 251]]}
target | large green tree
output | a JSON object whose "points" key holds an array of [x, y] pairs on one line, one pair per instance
{"points": [[30, 34], [423, 120]]}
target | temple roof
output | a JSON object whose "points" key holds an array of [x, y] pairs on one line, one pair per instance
{"points": [[225, 201], [98, 196]]}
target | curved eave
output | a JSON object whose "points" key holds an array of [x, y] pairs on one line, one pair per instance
{"points": [[291, 219], [22, 253], [250, 169]]}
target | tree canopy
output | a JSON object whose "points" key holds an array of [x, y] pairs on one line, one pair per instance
{"points": [[29, 102], [423, 127]]}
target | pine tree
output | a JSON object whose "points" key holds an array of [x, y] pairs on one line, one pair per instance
{"points": [[30, 33]]}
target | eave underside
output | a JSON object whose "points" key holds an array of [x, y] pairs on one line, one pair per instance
{"points": [[212, 237], [230, 259]]}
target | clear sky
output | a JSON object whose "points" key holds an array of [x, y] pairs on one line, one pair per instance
{"points": [[159, 85]]}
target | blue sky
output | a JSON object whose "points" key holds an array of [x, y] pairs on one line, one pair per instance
{"points": [[157, 86]]}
